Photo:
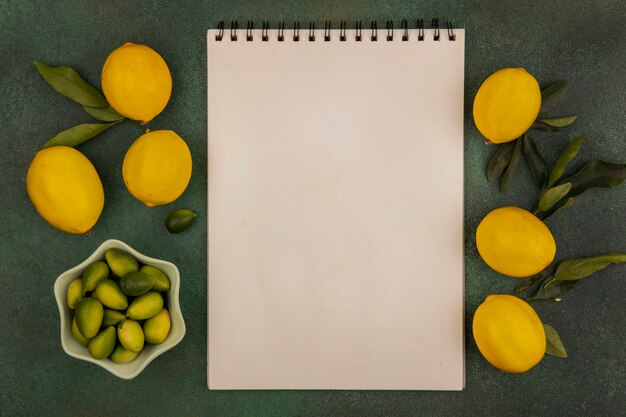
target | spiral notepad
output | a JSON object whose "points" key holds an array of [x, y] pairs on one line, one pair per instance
{"points": [[335, 206]]}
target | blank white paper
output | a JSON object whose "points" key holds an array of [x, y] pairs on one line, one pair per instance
{"points": [[335, 195]]}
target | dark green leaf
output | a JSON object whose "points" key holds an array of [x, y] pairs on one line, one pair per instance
{"points": [[576, 269], [512, 171], [557, 123], [539, 125], [567, 204], [179, 220], [500, 161], [596, 174], [553, 290], [537, 164], [67, 82], [542, 126], [103, 114], [552, 96], [553, 195], [78, 134], [560, 122], [526, 283], [568, 154], [554, 346], [557, 208]]}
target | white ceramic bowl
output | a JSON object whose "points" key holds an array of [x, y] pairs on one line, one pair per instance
{"points": [[149, 352]]}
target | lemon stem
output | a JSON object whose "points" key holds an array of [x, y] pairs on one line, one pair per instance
{"points": [[139, 125], [119, 326]]}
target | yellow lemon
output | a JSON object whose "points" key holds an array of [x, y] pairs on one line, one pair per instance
{"points": [[508, 333], [136, 81], [515, 242], [65, 189], [507, 104], [157, 167]]}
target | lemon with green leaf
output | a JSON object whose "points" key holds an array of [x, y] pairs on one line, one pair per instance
{"points": [[509, 333]]}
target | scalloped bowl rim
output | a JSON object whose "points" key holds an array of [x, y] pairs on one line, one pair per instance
{"points": [[132, 369]]}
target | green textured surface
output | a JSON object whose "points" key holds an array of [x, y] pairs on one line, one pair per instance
{"points": [[583, 42]]}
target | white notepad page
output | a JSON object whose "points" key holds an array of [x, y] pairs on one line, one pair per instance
{"points": [[335, 237]]}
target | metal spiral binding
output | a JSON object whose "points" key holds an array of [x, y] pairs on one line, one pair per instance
{"points": [[296, 31], [451, 35], [220, 31], [389, 26], [327, 31], [435, 25], [249, 29], [281, 31], [265, 31], [404, 25], [234, 26]]}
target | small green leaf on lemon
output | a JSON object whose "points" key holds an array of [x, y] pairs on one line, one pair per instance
{"points": [[553, 95], [554, 345]]}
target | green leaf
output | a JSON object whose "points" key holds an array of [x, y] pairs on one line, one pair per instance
{"points": [[568, 154], [554, 346], [500, 161], [553, 290], [67, 82], [560, 122], [553, 95], [537, 164], [576, 269], [556, 123], [568, 203], [596, 174], [553, 195], [78, 134], [512, 171], [103, 114], [526, 283]]}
